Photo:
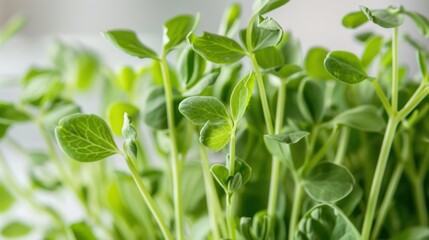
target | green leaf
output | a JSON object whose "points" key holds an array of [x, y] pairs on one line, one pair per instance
{"points": [[82, 231], [422, 65], [363, 118], [345, 66], [230, 20], [191, 67], [13, 26], [59, 109], [243, 168], [415, 233], [383, 18], [269, 57], [326, 221], [241, 95], [278, 145], [202, 84], [421, 22], [85, 138], [9, 114], [128, 42], [266, 33], [41, 88], [176, 29], [3, 129], [313, 63], [264, 6], [286, 72], [216, 48], [215, 136], [201, 109], [328, 182], [311, 102], [86, 66], [221, 174], [126, 78], [116, 115], [352, 201], [373, 47], [16, 229], [6, 200], [290, 49], [354, 19]]}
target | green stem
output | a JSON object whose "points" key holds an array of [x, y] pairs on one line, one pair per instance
{"points": [[419, 198], [230, 195], [296, 207], [382, 97], [378, 177], [415, 100], [276, 166], [342, 145], [178, 207], [322, 151], [148, 200], [231, 160], [213, 205], [395, 72]]}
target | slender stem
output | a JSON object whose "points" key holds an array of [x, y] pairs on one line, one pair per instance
{"points": [[419, 198], [213, 205], [382, 97], [342, 145], [230, 195], [395, 72], [378, 177], [415, 100], [231, 160], [178, 207], [424, 166], [276, 166], [388, 197], [148, 200], [322, 151], [296, 208]]}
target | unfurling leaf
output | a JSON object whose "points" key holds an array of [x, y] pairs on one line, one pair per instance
{"points": [[85, 138]]}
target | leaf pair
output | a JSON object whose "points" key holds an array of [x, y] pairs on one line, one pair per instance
{"points": [[230, 184]]}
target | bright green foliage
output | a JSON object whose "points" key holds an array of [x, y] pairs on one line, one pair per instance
{"points": [[128, 42], [269, 58], [13, 26], [81, 230], [287, 72], [266, 33], [388, 18], [264, 6], [314, 63], [230, 22], [354, 19], [176, 30], [217, 48], [125, 78], [85, 138], [326, 222], [328, 182], [423, 66], [240, 96], [116, 112], [372, 49], [6, 200], [201, 109], [16, 229], [9, 114], [215, 135], [365, 118], [345, 66], [415, 233], [221, 174], [421, 22], [256, 229]]}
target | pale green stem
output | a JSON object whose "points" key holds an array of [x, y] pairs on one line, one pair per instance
{"points": [[419, 198], [382, 97], [415, 100], [26, 195], [322, 151], [395, 72], [213, 205], [298, 197], [342, 145], [149, 200], [276, 166], [177, 198], [378, 177], [230, 195]]}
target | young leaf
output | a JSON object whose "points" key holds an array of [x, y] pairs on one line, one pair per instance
{"points": [[241, 95], [363, 118], [287, 72], [126, 78], [266, 33], [278, 145], [221, 174], [215, 136], [116, 115], [354, 19], [191, 67], [372, 49], [328, 182], [313, 63], [263, 6], [230, 20], [216, 48], [345, 66], [16, 229], [269, 58], [201, 109], [176, 30], [82, 231], [128, 42], [326, 221], [85, 138], [9, 114], [243, 169], [415, 233], [421, 22], [383, 18], [6, 200]]}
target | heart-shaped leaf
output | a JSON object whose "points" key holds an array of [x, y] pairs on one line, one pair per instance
{"points": [[216, 48], [128, 42], [85, 138], [328, 182], [345, 66]]}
